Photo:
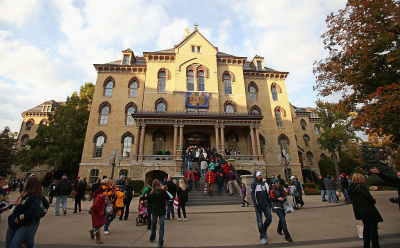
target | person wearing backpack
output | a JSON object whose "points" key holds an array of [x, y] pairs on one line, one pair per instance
{"points": [[146, 192], [44, 206], [62, 190]]}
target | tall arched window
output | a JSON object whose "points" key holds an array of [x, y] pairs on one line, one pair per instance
{"points": [[316, 127], [190, 80], [278, 116], [303, 124], [126, 151], [109, 89], [161, 107], [162, 82], [104, 115], [123, 172], [98, 150], [29, 125], [306, 140], [228, 84], [229, 109], [319, 144], [42, 122], [283, 143], [309, 158], [200, 81], [24, 140], [274, 93], [134, 88], [253, 93], [129, 118]]}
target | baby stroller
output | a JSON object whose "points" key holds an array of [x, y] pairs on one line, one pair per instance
{"points": [[142, 214]]}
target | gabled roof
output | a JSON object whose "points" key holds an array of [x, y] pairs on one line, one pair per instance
{"points": [[39, 107], [225, 55], [190, 36]]}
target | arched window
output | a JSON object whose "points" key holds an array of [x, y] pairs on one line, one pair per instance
{"points": [[94, 174], [190, 80], [98, 150], [161, 105], [229, 109], [316, 127], [303, 124], [126, 150], [43, 122], [253, 93], [104, 115], [319, 144], [310, 158], [29, 125], [158, 141], [123, 172], [227, 84], [200, 81], [24, 140], [129, 118], [255, 110], [162, 82], [109, 89], [274, 93], [278, 116], [283, 143], [262, 143], [306, 140], [134, 88]]}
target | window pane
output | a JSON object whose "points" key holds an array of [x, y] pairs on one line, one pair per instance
{"points": [[228, 88], [161, 107], [99, 147], [306, 141], [316, 130], [282, 143], [190, 110], [274, 94], [193, 49], [310, 157], [29, 125], [126, 59], [133, 91], [198, 49], [259, 67], [129, 118], [109, 89], [229, 109], [278, 115], [190, 82], [255, 112], [127, 147], [104, 115], [162, 84], [201, 83], [24, 141]]}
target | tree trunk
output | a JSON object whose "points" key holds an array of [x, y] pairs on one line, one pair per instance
{"points": [[335, 162]]}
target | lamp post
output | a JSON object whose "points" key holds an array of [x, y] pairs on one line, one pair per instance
{"points": [[112, 160], [287, 160]]}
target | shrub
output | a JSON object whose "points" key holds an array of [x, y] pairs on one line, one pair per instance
{"points": [[375, 180], [138, 185], [136, 194], [311, 191], [311, 185]]}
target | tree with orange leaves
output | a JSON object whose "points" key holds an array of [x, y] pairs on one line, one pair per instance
{"points": [[363, 64]]}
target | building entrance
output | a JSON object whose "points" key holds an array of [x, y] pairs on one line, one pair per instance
{"points": [[196, 140]]}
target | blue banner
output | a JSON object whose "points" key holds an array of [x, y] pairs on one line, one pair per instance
{"points": [[196, 99]]}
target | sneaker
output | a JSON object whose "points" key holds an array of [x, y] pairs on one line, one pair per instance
{"points": [[264, 241], [106, 232], [152, 241], [179, 219], [56, 215], [184, 219], [65, 212], [289, 239], [173, 217]]}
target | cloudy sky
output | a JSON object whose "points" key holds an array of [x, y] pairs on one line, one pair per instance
{"points": [[48, 47]]}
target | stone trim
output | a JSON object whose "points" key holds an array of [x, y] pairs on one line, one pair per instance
{"points": [[252, 84], [230, 102], [282, 110], [127, 134], [161, 100], [103, 104], [230, 74], [108, 79], [165, 70], [134, 79], [130, 104], [98, 134], [204, 69], [278, 88], [283, 136]]}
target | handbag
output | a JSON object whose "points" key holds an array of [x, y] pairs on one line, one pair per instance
{"points": [[108, 209], [176, 202], [288, 207]]}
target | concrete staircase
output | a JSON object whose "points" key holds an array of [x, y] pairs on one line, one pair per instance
{"points": [[199, 198]]}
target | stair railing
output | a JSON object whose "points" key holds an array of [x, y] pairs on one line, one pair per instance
{"points": [[238, 177]]}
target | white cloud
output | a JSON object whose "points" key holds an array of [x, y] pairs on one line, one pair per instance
{"points": [[172, 34], [17, 11]]}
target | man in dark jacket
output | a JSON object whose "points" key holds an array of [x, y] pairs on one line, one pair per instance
{"points": [[331, 187], [345, 187], [395, 181], [172, 190], [321, 187], [63, 189], [262, 204]]}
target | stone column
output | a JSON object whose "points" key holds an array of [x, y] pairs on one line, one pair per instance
{"points": [[181, 137], [253, 142], [258, 141], [141, 148], [222, 139], [175, 140], [217, 145], [136, 142]]}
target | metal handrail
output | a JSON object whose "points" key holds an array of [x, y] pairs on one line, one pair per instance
{"points": [[238, 177]]}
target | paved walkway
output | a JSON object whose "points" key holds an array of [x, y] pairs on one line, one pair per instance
{"points": [[317, 224]]}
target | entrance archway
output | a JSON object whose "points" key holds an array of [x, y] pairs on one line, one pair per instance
{"points": [[197, 139], [244, 172], [155, 174]]}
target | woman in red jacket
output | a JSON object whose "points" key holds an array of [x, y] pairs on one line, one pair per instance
{"points": [[197, 176], [98, 217], [210, 180]]}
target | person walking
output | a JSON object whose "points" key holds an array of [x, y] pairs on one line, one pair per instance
{"points": [[157, 198], [51, 190], [172, 190], [80, 193], [220, 181], [24, 211], [231, 178], [321, 187], [128, 190], [365, 210], [279, 197], [30, 240], [204, 167], [117, 202], [95, 185], [189, 157], [98, 214], [62, 191], [190, 178], [299, 189], [146, 193], [262, 205], [210, 180], [197, 176], [331, 187], [183, 197], [243, 193]]}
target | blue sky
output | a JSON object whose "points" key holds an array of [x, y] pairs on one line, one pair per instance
{"points": [[48, 47]]}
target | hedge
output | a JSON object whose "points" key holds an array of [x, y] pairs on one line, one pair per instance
{"points": [[138, 185], [311, 185]]}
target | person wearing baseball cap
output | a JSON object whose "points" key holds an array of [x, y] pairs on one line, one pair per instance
{"points": [[262, 204]]}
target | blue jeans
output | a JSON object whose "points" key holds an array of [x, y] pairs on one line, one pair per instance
{"points": [[109, 219], [282, 222], [189, 164], [148, 215], [190, 185], [15, 237], [323, 195], [219, 189], [204, 172], [370, 234], [331, 193], [63, 200], [31, 237], [346, 194], [154, 227], [263, 227], [170, 209]]}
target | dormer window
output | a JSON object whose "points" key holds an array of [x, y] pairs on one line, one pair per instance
{"points": [[126, 59], [259, 66], [46, 108]]}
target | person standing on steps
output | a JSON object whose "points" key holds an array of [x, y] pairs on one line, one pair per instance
{"points": [[183, 197], [262, 205], [197, 176], [190, 178], [204, 167], [220, 181], [210, 180], [243, 193]]}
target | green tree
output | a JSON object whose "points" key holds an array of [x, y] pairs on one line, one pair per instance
{"points": [[363, 62], [60, 143], [347, 163], [7, 151], [371, 157], [336, 129], [326, 166]]}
